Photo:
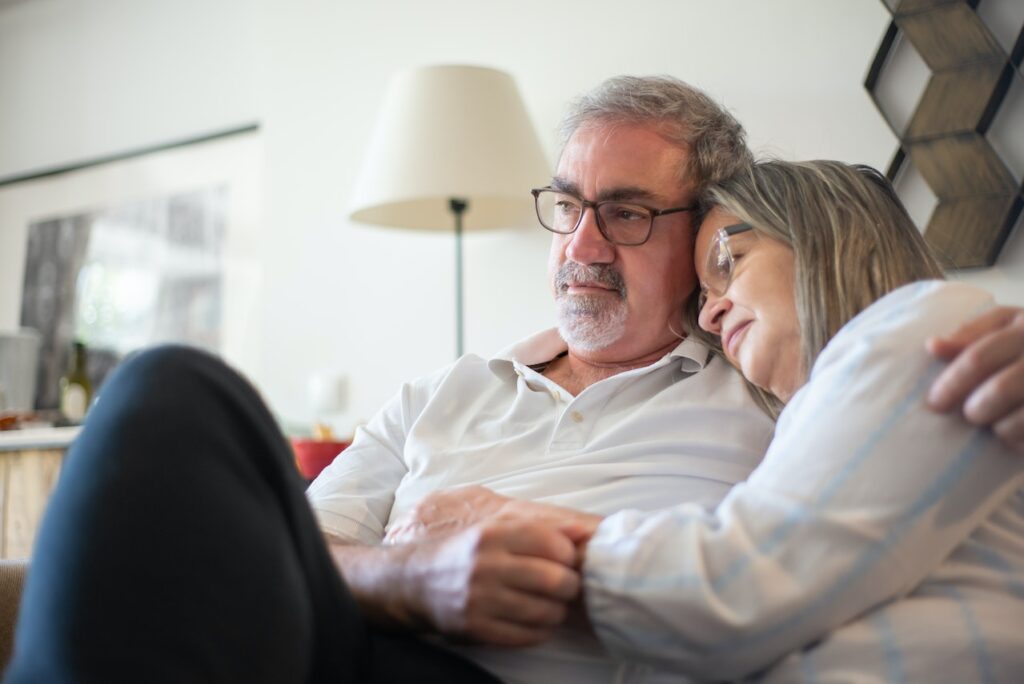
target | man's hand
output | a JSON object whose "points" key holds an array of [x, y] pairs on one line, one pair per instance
{"points": [[444, 512], [986, 373], [505, 583], [500, 583], [471, 563]]}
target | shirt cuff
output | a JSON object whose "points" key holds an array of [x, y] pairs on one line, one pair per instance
{"points": [[610, 554]]}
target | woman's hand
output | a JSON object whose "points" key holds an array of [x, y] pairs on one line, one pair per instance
{"points": [[448, 511], [577, 524], [986, 373], [445, 511]]}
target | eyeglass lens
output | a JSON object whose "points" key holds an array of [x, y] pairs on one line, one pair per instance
{"points": [[718, 267], [621, 222], [721, 263]]}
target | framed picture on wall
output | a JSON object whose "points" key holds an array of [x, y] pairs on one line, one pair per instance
{"points": [[149, 247]]}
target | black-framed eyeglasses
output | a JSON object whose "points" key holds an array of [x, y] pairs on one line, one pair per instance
{"points": [[621, 223], [720, 262]]}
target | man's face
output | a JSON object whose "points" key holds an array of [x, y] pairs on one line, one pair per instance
{"points": [[617, 304]]}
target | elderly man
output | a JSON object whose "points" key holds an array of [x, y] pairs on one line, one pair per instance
{"points": [[616, 409], [179, 545]]}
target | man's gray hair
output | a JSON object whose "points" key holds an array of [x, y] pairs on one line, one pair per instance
{"points": [[683, 114]]}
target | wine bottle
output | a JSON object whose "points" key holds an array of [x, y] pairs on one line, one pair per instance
{"points": [[75, 388]]}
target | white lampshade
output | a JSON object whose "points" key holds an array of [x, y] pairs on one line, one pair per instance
{"points": [[450, 132]]}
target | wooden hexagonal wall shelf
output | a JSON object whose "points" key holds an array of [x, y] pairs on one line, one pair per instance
{"points": [[947, 79]]}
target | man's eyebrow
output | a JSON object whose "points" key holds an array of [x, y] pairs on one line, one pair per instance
{"points": [[613, 194], [563, 185], [627, 193]]}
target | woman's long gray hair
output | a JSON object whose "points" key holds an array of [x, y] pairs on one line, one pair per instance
{"points": [[851, 237]]}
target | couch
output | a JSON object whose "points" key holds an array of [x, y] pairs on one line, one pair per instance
{"points": [[12, 578]]}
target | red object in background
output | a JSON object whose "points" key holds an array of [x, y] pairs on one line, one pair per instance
{"points": [[312, 455]]}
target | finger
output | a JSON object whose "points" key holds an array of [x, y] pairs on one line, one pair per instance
{"points": [[526, 609], [496, 632], [997, 397], [513, 618], [580, 535], [947, 346], [1011, 430], [538, 538], [971, 368], [541, 577], [942, 348], [581, 529]]}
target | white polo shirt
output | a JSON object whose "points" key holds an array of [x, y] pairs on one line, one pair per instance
{"points": [[681, 429]]}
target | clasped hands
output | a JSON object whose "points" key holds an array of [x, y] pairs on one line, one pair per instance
{"points": [[493, 569]]}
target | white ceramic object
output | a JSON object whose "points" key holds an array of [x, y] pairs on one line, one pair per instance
{"points": [[19, 357]]}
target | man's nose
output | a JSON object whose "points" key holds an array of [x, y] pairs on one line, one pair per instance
{"points": [[588, 245]]}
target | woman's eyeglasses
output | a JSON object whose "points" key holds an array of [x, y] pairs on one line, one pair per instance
{"points": [[720, 264]]}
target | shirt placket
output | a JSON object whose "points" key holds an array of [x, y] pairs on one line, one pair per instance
{"points": [[576, 417]]}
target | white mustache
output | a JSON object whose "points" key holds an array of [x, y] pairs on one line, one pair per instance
{"points": [[572, 273]]}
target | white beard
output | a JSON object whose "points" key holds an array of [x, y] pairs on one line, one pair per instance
{"points": [[591, 322]]}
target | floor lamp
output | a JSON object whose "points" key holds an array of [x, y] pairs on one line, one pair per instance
{"points": [[453, 147]]}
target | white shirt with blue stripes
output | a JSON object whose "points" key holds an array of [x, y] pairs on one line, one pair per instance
{"points": [[876, 542]]}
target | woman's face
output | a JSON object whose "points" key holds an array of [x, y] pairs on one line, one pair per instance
{"points": [[756, 315]]}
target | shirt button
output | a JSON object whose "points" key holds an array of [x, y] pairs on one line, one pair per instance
{"points": [[577, 416]]}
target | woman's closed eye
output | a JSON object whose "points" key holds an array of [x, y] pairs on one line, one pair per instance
{"points": [[735, 262]]}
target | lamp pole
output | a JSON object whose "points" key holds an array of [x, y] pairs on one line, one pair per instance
{"points": [[458, 207]]}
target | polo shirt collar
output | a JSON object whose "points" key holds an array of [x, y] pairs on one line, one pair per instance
{"points": [[543, 346]]}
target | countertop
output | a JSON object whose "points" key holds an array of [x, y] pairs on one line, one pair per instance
{"points": [[38, 438]]}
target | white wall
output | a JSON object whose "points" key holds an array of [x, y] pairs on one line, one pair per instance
{"points": [[85, 78], [89, 77]]}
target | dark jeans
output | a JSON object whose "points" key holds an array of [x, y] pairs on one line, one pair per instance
{"points": [[179, 547]]}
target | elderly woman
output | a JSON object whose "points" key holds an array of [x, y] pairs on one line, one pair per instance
{"points": [[893, 536]]}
